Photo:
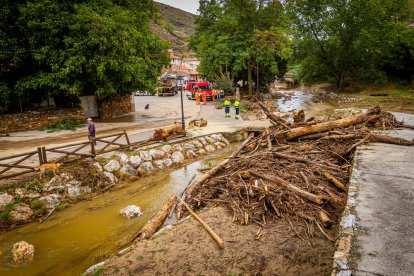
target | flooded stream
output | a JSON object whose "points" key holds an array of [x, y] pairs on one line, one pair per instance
{"points": [[288, 101], [72, 240]]}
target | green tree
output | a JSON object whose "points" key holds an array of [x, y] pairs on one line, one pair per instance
{"points": [[233, 36], [79, 47], [346, 39]]}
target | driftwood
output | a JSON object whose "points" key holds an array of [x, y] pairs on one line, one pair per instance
{"points": [[155, 222], [309, 196], [214, 170], [272, 117], [203, 223], [390, 140], [326, 221], [165, 133], [371, 115], [335, 181]]}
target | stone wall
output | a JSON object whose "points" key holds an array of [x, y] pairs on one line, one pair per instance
{"points": [[116, 106], [30, 120]]}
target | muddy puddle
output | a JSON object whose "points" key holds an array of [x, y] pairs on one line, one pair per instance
{"points": [[72, 240], [288, 101]]}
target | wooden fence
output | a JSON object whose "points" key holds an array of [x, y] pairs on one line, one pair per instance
{"points": [[67, 153]]}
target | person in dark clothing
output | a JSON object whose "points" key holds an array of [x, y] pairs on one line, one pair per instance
{"points": [[91, 130]]}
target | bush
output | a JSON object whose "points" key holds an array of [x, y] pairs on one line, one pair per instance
{"points": [[70, 124]]}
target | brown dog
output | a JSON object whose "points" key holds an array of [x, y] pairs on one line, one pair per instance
{"points": [[54, 167]]}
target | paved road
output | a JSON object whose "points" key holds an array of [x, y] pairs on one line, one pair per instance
{"points": [[384, 233], [140, 125]]}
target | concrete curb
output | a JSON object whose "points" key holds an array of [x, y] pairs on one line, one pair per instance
{"points": [[341, 262]]}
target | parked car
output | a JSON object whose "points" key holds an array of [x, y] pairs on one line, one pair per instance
{"points": [[143, 93], [200, 85]]}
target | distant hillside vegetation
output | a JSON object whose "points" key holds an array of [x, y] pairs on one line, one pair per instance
{"points": [[175, 26]]}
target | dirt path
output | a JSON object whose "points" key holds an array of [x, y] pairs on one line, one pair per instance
{"points": [[187, 249]]}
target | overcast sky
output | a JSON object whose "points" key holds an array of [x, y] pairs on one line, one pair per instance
{"points": [[186, 5]]}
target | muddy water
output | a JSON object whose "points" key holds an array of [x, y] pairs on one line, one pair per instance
{"points": [[289, 100], [72, 240]]}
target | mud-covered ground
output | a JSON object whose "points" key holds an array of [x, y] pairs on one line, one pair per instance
{"points": [[187, 249]]}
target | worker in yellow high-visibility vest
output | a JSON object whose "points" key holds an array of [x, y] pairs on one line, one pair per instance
{"points": [[237, 107], [213, 94], [226, 104]]}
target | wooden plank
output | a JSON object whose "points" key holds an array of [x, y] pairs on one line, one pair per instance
{"points": [[15, 174], [16, 166], [18, 155], [19, 161]]}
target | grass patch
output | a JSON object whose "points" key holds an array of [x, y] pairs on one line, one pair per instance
{"points": [[99, 271], [116, 269], [34, 185], [140, 258], [5, 214], [70, 124]]}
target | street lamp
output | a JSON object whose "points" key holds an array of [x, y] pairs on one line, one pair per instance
{"points": [[182, 109]]}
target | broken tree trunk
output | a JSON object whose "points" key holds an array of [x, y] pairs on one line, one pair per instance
{"points": [[371, 115], [272, 116], [155, 222], [309, 196], [203, 223]]}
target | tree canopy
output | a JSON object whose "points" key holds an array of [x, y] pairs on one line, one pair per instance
{"points": [[352, 39], [234, 36], [81, 47]]}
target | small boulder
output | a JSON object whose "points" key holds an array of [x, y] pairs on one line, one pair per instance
{"points": [[201, 151], [131, 211], [52, 200], [145, 168], [145, 156], [75, 191], [177, 147], [156, 153], [111, 177], [159, 164], [210, 148], [112, 165], [58, 182], [23, 252], [191, 154], [210, 140], [135, 161], [123, 158], [98, 166], [20, 213], [202, 141], [167, 162], [5, 199], [197, 144], [177, 157], [189, 146], [167, 149], [128, 169]]}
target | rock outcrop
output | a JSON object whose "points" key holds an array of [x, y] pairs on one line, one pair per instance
{"points": [[131, 211]]}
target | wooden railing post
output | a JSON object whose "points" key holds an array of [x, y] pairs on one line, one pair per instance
{"points": [[39, 154], [92, 147], [127, 138], [44, 157]]}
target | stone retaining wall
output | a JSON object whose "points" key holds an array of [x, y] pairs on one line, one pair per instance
{"points": [[38, 119], [116, 105]]}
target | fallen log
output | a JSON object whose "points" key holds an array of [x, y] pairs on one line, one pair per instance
{"points": [[390, 140], [155, 222], [272, 116], [277, 180], [203, 223], [335, 181], [165, 133], [370, 115]]}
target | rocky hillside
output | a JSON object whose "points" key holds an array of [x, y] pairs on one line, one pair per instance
{"points": [[175, 26]]}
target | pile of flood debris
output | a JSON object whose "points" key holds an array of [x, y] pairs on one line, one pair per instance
{"points": [[291, 170]]}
